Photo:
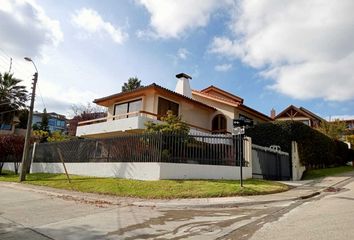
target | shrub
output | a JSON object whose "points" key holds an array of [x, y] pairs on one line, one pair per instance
{"points": [[316, 150], [11, 148]]}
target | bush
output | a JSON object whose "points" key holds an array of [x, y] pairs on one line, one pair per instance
{"points": [[316, 150], [11, 148]]}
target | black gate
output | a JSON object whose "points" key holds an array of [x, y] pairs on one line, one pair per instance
{"points": [[270, 164]]}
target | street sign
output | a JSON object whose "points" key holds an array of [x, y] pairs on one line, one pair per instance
{"points": [[238, 131], [243, 122]]}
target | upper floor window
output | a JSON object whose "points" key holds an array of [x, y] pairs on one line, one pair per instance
{"points": [[219, 124], [306, 122], [243, 117], [127, 107], [165, 105]]}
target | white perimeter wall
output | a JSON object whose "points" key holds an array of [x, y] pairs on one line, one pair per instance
{"points": [[198, 171], [141, 171], [10, 167], [145, 171]]}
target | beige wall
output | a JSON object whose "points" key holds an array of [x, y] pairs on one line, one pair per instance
{"points": [[189, 112], [226, 110], [149, 103]]}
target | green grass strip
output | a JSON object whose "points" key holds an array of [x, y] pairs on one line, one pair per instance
{"points": [[162, 189], [324, 172]]}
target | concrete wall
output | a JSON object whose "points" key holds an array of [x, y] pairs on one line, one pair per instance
{"points": [[9, 166], [196, 171], [141, 171], [298, 168], [145, 171], [124, 124]]}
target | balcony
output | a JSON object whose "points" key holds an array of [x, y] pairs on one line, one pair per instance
{"points": [[129, 122]]}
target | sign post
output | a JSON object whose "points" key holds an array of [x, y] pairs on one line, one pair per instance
{"points": [[239, 132]]}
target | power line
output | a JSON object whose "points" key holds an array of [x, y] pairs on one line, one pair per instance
{"points": [[10, 64], [5, 52], [4, 61], [40, 94]]}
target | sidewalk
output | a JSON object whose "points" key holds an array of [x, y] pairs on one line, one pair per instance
{"points": [[300, 190]]}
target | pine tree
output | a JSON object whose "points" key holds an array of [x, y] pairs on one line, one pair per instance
{"points": [[133, 83], [45, 121]]}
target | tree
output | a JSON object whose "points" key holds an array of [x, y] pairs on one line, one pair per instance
{"points": [[45, 121], [84, 112], [170, 124], [133, 83], [40, 135], [57, 136], [13, 97], [350, 139], [333, 130], [11, 148], [23, 117]]}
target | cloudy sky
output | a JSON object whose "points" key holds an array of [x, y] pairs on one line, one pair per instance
{"points": [[271, 53]]}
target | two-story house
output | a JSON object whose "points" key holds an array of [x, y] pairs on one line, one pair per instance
{"points": [[208, 111], [56, 122]]}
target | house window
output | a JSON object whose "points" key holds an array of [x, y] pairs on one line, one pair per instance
{"points": [[127, 107], [306, 122], [51, 122], [219, 124], [165, 105], [243, 117]]}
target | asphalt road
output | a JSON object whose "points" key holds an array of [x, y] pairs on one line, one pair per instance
{"points": [[29, 215], [330, 216]]}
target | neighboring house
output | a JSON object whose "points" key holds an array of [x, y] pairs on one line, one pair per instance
{"points": [[349, 123], [9, 128], [298, 114], [207, 111], [56, 122], [350, 126]]}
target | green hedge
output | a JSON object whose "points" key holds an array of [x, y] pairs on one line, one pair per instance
{"points": [[316, 150]]}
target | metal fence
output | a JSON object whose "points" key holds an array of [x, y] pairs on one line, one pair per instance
{"points": [[270, 164], [172, 148]]}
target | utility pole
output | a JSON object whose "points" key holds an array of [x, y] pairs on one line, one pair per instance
{"points": [[25, 159]]}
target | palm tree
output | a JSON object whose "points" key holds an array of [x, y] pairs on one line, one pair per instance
{"points": [[133, 83], [13, 96]]}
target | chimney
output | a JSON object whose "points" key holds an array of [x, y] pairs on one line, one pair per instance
{"points": [[182, 86], [272, 113]]}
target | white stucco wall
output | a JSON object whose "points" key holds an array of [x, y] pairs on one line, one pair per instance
{"points": [[145, 171], [140, 171], [197, 171], [9, 166], [119, 125]]}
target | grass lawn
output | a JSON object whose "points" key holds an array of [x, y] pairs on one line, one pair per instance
{"points": [[162, 189], [317, 173]]}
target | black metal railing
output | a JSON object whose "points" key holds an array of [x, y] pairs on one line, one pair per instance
{"points": [[172, 148]]}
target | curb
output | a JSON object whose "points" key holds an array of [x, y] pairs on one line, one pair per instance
{"points": [[222, 205]]}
